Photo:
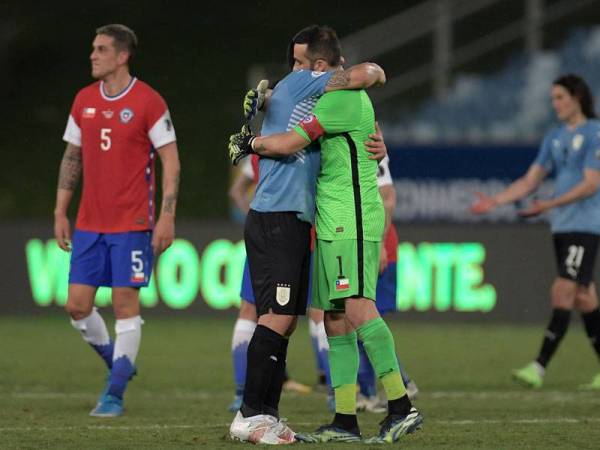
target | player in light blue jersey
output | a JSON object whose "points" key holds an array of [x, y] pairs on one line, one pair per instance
{"points": [[572, 151], [246, 320], [277, 232]]}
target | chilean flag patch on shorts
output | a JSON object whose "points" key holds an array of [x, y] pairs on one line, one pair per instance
{"points": [[342, 284], [138, 277]]}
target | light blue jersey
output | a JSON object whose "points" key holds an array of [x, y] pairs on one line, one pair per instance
{"points": [[569, 153], [288, 184]]}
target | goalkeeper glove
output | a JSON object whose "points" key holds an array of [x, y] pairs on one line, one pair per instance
{"points": [[240, 145], [254, 100]]}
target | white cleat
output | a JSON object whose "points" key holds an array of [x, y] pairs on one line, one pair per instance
{"points": [[370, 404], [279, 434], [260, 429], [250, 429]]}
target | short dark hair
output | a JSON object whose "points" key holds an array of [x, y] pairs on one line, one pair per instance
{"points": [[323, 43], [124, 37], [578, 88]]}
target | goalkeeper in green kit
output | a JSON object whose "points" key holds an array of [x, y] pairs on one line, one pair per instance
{"points": [[350, 224]]}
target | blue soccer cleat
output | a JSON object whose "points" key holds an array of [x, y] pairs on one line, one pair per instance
{"points": [[236, 404], [105, 390], [108, 406]]}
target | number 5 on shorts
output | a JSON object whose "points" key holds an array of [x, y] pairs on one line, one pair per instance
{"points": [[137, 263]]}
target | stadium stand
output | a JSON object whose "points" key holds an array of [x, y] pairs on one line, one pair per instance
{"points": [[508, 106]]}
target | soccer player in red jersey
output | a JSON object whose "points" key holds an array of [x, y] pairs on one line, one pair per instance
{"points": [[116, 127]]}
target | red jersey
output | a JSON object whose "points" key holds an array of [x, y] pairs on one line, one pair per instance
{"points": [[118, 136], [391, 244], [384, 178]]}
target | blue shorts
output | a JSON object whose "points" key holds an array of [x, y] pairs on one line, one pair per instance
{"points": [[385, 296], [247, 293], [111, 259]]}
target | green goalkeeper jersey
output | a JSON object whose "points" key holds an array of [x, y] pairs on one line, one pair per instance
{"points": [[348, 202]]}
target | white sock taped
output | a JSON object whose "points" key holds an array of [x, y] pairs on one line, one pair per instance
{"points": [[129, 335], [92, 329]]}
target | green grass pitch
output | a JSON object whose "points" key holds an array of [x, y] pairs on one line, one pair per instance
{"points": [[49, 381]]}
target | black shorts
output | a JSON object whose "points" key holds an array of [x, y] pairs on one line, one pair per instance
{"points": [[278, 250], [576, 255]]}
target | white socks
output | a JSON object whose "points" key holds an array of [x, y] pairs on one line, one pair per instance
{"points": [[92, 329], [129, 334], [242, 332], [313, 329], [322, 336]]}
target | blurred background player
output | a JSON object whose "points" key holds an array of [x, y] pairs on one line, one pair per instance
{"points": [[572, 150], [367, 399], [245, 324], [116, 127]]}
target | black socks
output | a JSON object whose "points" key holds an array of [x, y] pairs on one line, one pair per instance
{"points": [[557, 328], [264, 360], [271, 400], [591, 321], [399, 407]]}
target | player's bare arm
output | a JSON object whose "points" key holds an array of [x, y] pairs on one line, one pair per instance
{"points": [[279, 144], [68, 179], [388, 195], [361, 76], [164, 231], [588, 186], [515, 191], [238, 192]]}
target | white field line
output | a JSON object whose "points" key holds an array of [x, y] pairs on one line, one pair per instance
{"points": [[201, 426], [521, 395]]}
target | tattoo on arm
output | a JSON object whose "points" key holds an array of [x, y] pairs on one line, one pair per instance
{"points": [[169, 204], [170, 200], [70, 168], [339, 79]]}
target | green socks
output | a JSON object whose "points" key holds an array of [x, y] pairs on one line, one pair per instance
{"points": [[344, 359], [379, 344], [343, 365]]}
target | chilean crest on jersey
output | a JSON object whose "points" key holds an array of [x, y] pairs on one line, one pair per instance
{"points": [[126, 115]]}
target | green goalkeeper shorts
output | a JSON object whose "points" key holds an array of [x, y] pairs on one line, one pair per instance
{"points": [[342, 269]]}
